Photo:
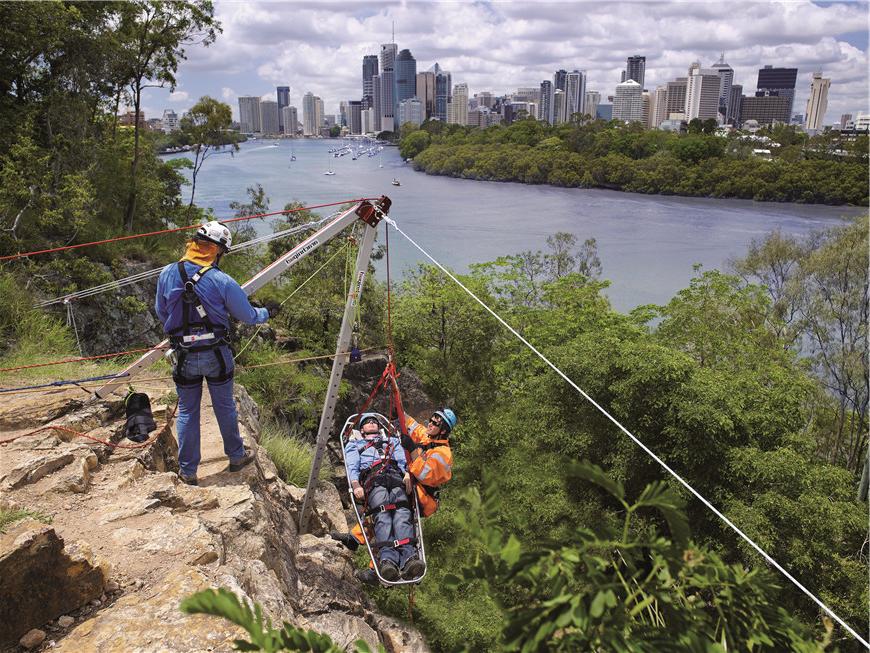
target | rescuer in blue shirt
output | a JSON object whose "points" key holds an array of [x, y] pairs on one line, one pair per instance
{"points": [[195, 300]]}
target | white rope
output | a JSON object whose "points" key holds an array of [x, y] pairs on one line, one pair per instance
{"points": [[147, 274], [71, 320], [684, 483]]}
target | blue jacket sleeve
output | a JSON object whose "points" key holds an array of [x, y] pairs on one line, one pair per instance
{"points": [[399, 454], [239, 306], [351, 460]]}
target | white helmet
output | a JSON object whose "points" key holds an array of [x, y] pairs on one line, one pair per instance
{"points": [[215, 232]]}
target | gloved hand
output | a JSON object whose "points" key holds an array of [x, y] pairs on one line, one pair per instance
{"points": [[408, 443], [273, 307]]}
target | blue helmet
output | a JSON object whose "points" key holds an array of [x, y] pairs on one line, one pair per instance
{"points": [[369, 417], [448, 417]]}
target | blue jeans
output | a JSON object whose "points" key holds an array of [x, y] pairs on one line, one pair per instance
{"points": [[196, 365], [392, 525]]}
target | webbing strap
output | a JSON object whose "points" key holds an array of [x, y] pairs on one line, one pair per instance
{"points": [[387, 507], [395, 544]]}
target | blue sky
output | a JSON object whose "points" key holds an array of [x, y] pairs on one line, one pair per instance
{"points": [[498, 46]]}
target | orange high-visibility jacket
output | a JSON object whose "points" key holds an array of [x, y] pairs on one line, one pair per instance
{"points": [[432, 469]]}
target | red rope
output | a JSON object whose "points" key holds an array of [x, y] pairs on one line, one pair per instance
{"points": [[113, 445], [78, 360], [177, 229]]}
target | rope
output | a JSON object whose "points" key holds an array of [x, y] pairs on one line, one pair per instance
{"points": [[637, 441], [177, 229], [389, 288], [147, 274], [32, 389], [113, 445], [286, 299], [65, 382], [78, 360], [70, 319]]}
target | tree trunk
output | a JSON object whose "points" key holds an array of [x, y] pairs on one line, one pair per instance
{"points": [[131, 197]]}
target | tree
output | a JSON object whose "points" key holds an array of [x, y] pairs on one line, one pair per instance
{"points": [[334, 131], [154, 34], [205, 125]]}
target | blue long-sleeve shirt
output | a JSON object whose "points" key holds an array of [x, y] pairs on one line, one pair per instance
{"points": [[359, 458], [220, 294]]}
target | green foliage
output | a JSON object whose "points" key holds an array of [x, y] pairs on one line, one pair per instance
{"points": [[25, 331], [263, 637], [627, 589], [10, 516], [291, 455], [630, 158]]}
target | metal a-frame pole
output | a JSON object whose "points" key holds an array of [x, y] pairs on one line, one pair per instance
{"points": [[327, 418]]}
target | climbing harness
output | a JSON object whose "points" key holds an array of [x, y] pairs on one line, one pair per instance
{"points": [[197, 331]]}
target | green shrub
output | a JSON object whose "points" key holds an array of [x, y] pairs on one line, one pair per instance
{"points": [[10, 516], [291, 455]]}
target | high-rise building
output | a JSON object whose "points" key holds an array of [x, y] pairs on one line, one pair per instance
{"points": [[170, 121], [766, 109], [388, 86], [779, 82], [459, 105], [817, 104], [443, 89], [483, 117], [368, 121], [635, 68], [545, 108], [410, 110], [283, 101], [559, 79], [249, 114], [726, 79], [593, 99], [376, 103], [354, 116], [426, 93], [559, 106], [406, 76], [575, 93], [369, 70], [312, 114], [702, 94], [388, 55], [290, 120], [677, 99], [269, 117], [628, 102], [734, 100], [342, 113], [604, 112], [845, 119], [329, 120], [660, 106], [485, 99], [649, 108], [388, 100]]}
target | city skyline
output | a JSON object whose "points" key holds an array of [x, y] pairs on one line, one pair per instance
{"points": [[320, 50]]}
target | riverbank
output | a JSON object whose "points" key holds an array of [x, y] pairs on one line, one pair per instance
{"points": [[616, 157]]}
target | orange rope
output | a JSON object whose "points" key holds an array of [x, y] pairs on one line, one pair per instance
{"points": [[84, 358], [177, 229]]}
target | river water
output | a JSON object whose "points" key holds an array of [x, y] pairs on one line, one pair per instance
{"points": [[647, 244]]}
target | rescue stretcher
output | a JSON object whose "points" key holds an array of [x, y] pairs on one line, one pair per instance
{"points": [[366, 522]]}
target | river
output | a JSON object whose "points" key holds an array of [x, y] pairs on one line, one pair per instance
{"points": [[648, 244]]}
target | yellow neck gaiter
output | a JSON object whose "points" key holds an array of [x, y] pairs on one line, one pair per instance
{"points": [[201, 252]]}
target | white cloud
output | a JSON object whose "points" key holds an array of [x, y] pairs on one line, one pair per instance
{"points": [[318, 47], [179, 97]]}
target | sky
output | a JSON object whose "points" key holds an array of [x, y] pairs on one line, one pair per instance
{"points": [[499, 46]]}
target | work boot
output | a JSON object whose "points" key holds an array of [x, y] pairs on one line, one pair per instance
{"points": [[389, 570], [414, 568], [189, 480], [345, 538], [366, 576], [241, 462]]}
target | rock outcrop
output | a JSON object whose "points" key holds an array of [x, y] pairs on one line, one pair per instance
{"points": [[144, 541]]}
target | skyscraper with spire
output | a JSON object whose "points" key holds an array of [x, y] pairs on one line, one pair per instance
{"points": [[726, 79]]}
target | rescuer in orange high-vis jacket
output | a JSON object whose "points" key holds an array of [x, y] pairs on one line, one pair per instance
{"points": [[431, 464]]}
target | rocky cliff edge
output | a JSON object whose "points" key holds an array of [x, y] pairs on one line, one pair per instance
{"points": [[126, 541]]}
